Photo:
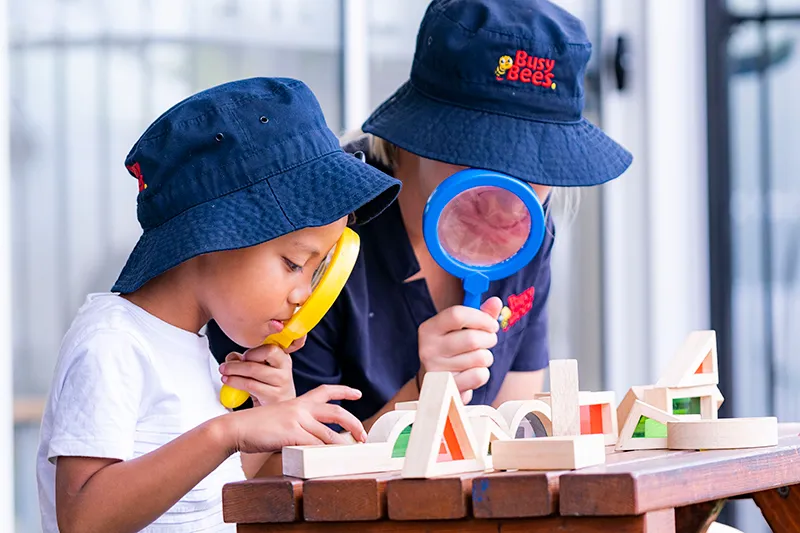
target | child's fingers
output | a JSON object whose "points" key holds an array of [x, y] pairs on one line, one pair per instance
{"points": [[327, 393], [324, 433], [270, 354], [335, 414], [296, 345], [234, 356], [256, 371], [261, 391]]}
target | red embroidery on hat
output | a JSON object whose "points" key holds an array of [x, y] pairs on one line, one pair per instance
{"points": [[527, 68], [137, 173], [518, 306]]}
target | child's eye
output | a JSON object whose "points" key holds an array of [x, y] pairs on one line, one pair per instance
{"points": [[294, 267]]}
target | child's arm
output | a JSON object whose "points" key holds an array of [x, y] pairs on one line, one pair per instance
{"points": [[95, 494]]}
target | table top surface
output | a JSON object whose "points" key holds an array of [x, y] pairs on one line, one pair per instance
{"points": [[630, 483]]}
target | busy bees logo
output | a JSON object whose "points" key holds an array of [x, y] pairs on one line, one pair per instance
{"points": [[526, 68]]}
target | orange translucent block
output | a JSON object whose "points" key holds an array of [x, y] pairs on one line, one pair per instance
{"points": [[592, 419], [450, 449], [706, 367]]}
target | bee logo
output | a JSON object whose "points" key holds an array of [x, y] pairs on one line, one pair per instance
{"points": [[503, 65]]}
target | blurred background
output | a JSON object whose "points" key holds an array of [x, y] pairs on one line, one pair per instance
{"points": [[703, 231]]}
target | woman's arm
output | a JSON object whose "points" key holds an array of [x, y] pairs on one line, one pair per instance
{"points": [[408, 392], [519, 386]]}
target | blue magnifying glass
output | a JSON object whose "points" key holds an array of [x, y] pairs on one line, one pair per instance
{"points": [[481, 226]]}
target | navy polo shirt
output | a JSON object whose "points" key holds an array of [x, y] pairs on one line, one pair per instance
{"points": [[368, 339]]}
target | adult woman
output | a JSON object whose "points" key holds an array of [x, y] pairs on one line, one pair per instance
{"points": [[495, 84]]}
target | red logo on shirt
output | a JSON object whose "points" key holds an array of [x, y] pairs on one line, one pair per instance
{"points": [[518, 306]]}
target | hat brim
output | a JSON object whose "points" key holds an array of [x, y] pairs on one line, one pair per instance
{"points": [[253, 215], [547, 153]]}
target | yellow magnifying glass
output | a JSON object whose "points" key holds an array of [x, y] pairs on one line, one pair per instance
{"points": [[327, 283]]}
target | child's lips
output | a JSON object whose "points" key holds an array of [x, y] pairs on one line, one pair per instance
{"points": [[275, 326]]}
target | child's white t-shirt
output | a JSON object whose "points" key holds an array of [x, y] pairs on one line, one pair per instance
{"points": [[125, 384]]}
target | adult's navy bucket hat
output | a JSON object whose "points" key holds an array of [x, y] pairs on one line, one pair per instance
{"points": [[498, 85], [237, 165]]}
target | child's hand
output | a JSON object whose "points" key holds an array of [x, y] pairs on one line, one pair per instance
{"points": [[265, 372], [297, 422], [458, 340]]}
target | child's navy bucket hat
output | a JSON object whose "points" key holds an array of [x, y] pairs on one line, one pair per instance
{"points": [[498, 85], [238, 165]]}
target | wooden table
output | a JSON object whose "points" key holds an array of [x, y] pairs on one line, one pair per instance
{"points": [[642, 491]]}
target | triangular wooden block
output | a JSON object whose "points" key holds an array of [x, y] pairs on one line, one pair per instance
{"points": [[624, 408], [645, 428], [695, 363], [442, 441], [487, 431]]}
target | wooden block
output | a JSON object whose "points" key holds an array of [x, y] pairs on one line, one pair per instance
{"points": [[599, 415], [722, 434], [526, 418], [393, 428], [406, 406], [564, 402], [682, 402], [781, 508], [309, 462], [549, 453], [645, 428], [694, 364], [271, 499], [634, 393], [441, 441], [487, 431], [474, 411]]}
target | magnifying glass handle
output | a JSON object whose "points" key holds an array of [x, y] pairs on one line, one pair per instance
{"points": [[233, 398], [474, 287]]}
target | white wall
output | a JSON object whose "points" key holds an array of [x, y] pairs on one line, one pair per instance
{"points": [[6, 400], [655, 216]]}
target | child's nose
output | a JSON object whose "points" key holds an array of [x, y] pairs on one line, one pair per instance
{"points": [[300, 294]]}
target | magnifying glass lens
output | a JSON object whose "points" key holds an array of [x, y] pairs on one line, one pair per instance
{"points": [[321, 269], [484, 226]]}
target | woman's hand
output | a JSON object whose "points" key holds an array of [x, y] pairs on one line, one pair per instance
{"points": [[458, 340]]}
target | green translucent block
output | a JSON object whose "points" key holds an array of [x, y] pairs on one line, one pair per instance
{"points": [[686, 406], [647, 428], [401, 443]]}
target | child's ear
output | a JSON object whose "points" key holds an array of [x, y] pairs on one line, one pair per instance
{"points": [[351, 219]]}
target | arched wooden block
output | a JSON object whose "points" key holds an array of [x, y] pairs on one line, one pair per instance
{"points": [[515, 411], [487, 431], [474, 411], [389, 428]]}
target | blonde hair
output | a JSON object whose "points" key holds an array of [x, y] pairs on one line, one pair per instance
{"points": [[380, 149], [565, 200]]}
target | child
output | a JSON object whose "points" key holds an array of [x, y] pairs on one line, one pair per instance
{"points": [[243, 190]]}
